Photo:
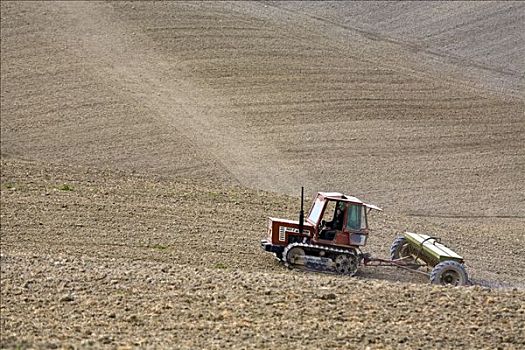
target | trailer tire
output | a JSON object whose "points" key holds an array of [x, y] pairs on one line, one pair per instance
{"points": [[400, 249], [449, 272]]}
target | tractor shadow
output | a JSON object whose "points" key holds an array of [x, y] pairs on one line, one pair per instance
{"points": [[391, 274]]}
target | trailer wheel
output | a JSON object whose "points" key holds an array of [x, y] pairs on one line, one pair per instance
{"points": [[400, 249], [449, 272]]}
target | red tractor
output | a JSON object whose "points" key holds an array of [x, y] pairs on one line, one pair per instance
{"points": [[330, 237], [336, 227]]}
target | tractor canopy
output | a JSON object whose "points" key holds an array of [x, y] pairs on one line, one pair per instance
{"points": [[344, 198], [322, 198]]}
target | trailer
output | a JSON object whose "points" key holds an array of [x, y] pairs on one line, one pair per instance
{"points": [[413, 251]]}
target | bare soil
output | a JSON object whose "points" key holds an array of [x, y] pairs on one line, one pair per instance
{"points": [[97, 258], [144, 145]]}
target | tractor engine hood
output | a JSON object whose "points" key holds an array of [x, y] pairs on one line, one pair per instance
{"points": [[280, 229]]}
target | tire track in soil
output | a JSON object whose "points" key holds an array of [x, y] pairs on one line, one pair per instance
{"points": [[128, 62]]}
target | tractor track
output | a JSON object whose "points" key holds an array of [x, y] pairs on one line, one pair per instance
{"points": [[315, 248]]}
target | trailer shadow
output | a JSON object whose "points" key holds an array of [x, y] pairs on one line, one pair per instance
{"points": [[495, 284]]}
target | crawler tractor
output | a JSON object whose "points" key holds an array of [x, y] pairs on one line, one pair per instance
{"points": [[330, 238]]}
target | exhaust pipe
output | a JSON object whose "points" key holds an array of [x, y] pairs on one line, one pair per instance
{"points": [[301, 213]]}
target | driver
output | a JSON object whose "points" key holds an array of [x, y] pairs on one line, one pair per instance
{"points": [[337, 222]]}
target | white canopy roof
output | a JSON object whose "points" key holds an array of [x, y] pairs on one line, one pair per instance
{"points": [[344, 198]]}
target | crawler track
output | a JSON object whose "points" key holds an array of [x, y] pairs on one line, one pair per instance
{"points": [[323, 259]]}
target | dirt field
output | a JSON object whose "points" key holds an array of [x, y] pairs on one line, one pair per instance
{"points": [[144, 145]]}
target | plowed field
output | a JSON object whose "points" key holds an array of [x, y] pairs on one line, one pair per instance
{"points": [[144, 145]]}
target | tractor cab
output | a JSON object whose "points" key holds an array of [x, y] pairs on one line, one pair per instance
{"points": [[339, 219]]}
